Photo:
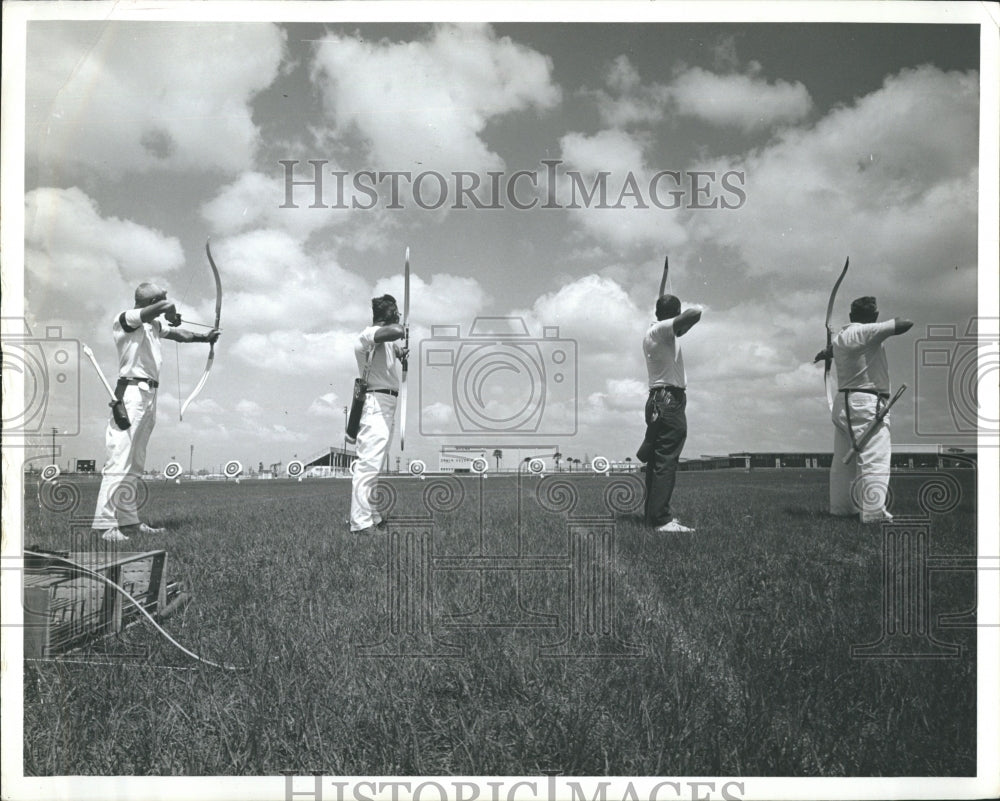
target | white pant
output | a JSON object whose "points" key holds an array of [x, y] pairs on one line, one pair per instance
{"points": [[374, 435], [126, 458], [862, 483]]}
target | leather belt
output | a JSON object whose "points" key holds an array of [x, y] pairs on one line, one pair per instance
{"points": [[386, 392], [153, 384]]}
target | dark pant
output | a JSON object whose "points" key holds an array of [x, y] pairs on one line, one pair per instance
{"points": [[664, 441]]}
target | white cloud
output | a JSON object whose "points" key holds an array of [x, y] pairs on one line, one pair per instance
{"points": [[270, 282], [249, 408], [889, 181], [295, 353], [77, 257], [255, 200], [742, 100], [328, 405], [137, 97], [620, 156], [630, 101], [423, 105]]}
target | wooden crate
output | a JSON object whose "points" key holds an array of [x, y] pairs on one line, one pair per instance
{"points": [[65, 608]]}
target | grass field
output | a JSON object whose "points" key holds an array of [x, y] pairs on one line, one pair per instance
{"points": [[738, 638]]}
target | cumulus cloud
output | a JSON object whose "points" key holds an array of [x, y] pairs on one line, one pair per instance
{"points": [[745, 101], [255, 200], [890, 180], [328, 405], [141, 97], [425, 104], [75, 255], [615, 160]]}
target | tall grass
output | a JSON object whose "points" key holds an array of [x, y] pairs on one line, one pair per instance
{"points": [[745, 631]]}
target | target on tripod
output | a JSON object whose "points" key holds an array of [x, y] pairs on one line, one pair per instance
{"points": [[417, 468], [295, 469], [479, 465], [50, 472], [536, 466], [233, 468], [600, 464], [173, 470]]}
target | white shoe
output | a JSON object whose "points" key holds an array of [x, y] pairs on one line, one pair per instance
{"points": [[113, 535], [884, 517], [144, 529], [673, 527]]}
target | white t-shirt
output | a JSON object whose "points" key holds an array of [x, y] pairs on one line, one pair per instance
{"points": [[382, 374], [860, 357], [139, 354], [664, 361]]}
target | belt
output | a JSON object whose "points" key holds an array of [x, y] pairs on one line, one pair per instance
{"points": [[876, 392], [666, 387], [153, 384], [386, 392]]}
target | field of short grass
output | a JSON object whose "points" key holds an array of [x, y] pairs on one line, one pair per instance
{"points": [[541, 627]]}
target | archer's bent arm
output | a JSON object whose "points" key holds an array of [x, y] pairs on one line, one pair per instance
{"points": [[389, 333], [902, 326], [685, 321], [183, 335]]}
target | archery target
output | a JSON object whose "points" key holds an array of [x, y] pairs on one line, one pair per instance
{"points": [[536, 466], [295, 468], [601, 465], [480, 465], [50, 472], [418, 468], [233, 468], [173, 470]]}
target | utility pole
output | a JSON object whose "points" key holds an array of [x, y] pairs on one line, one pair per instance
{"points": [[191, 462], [54, 432]]}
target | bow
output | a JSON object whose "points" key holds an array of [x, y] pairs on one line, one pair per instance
{"points": [[666, 271], [211, 346], [827, 355], [406, 344], [75, 568]]}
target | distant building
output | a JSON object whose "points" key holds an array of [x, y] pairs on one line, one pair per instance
{"points": [[331, 462], [458, 459]]}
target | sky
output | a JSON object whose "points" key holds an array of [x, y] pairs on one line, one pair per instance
{"points": [[757, 157]]}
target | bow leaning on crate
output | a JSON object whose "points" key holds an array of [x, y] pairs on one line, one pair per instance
{"points": [[211, 347], [826, 355], [75, 568]]}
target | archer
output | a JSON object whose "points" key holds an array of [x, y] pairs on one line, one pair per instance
{"points": [[860, 412], [137, 333], [378, 352]]}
